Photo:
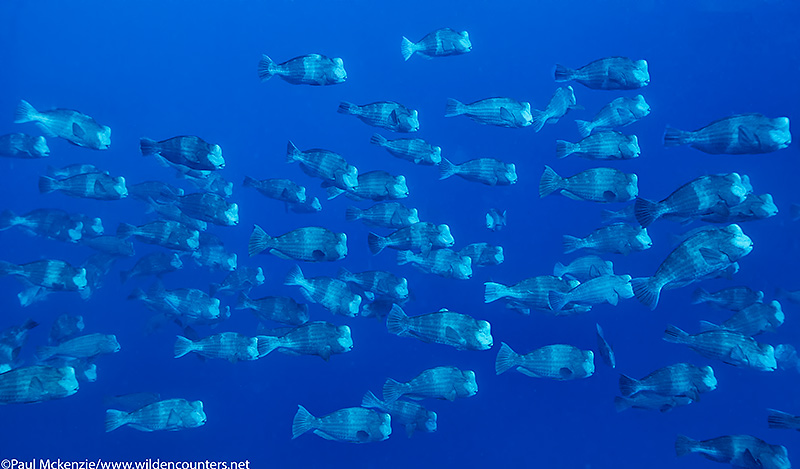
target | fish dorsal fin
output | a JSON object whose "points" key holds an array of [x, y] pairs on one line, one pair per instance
{"points": [[506, 115], [77, 130]]}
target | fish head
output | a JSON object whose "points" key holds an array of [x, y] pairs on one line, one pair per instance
{"points": [[430, 421], [640, 73], [484, 335], [193, 240], [196, 417], [175, 262], [350, 177], [345, 340], [104, 137], [230, 262], [780, 134], [300, 194], [232, 215], [67, 380], [401, 289], [316, 205], [587, 365], [385, 427], [212, 309], [642, 240], [470, 386], [40, 147], [766, 359], [445, 238], [463, 270], [259, 276], [96, 227], [119, 187], [525, 115], [353, 306], [341, 245], [498, 255], [413, 216], [110, 344], [75, 232], [399, 190], [630, 148], [90, 372], [640, 107], [226, 188], [215, 157], [339, 73], [765, 208], [79, 279], [463, 44], [511, 173], [436, 155], [777, 316], [778, 458]]}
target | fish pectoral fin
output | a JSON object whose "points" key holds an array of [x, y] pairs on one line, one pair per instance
{"points": [[279, 254], [173, 420], [594, 271], [362, 436], [322, 434], [616, 76], [750, 460], [506, 115], [693, 394], [451, 396], [747, 136], [452, 335], [712, 256], [393, 117], [609, 196], [738, 354], [318, 255], [565, 372], [325, 353], [527, 372], [77, 130], [36, 385], [613, 299]]}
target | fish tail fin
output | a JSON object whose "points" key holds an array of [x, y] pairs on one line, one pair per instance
{"points": [[621, 404], [550, 182], [43, 352], [559, 269], [183, 346], [494, 291], [148, 147], [115, 419], [392, 390], [242, 301], [294, 277], [266, 68], [700, 296], [454, 108], [506, 359], [370, 401], [563, 73], [25, 113], [292, 152], [396, 321], [40, 146], [346, 107], [781, 420], [571, 243], [675, 138], [47, 185], [137, 294], [213, 288], [378, 139], [249, 182], [404, 257], [646, 291], [334, 192], [647, 211], [675, 335], [584, 127], [352, 213], [303, 422], [565, 148], [539, 119], [628, 386], [376, 243], [684, 445], [7, 219], [266, 344], [447, 169], [259, 241], [557, 300], [7, 268], [407, 48], [125, 230]]}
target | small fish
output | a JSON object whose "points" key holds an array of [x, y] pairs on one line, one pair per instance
{"points": [[735, 135], [442, 262], [65, 327], [754, 207], [419, 237], [385, 114], [604, 348], [559, 362], [501, 112], [166, 415], [278, 189], [593, 185], [392, 215], [310, 244], [314, 338], [606, 145], [443, 327], [409, 414], [110, 245], [85, 346], [618, 113], [350, 425], [584, 268], [73, 126], [154, 190], [213, 183], [98, 186], [415, 150], [241, 279], [495, 219], [210, 208], [48, 223], [617, 238], [752, 320], [609, 73], [680, 379], [604, 289], [482, 254], [443, 382], [440, 43], [187, 150], [562, 101], [170, 211], [531, 293], [230, 346], [19, 145], [377, 282], [324, 164], [169, 234], [156, 263], [187, 305], [51, 274], [37, 383], [489, 171], [743, 451], [215, 257], [311, 69], [782, 420], [375, 186], [280, 309], [729, 347], [650, 401], [331, 293], [732, 298]]}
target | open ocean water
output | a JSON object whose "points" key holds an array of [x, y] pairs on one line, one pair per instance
{"points": [[168, 68]]}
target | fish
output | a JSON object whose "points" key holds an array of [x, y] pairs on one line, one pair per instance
{"points": [[531, 293], [280, 309], [49, 223], [488, 171], [729, 347], [310, 69], [98, 186], [696, 198], [732, 298], [388, 115], [375, 186], [458, 330], [168, 234], [73, 126], [284, 190], [310, 244], [562, 101], [735, 135], [483, 254], [331, 293], [97, 266], [154, 190], [186, 150], [604, 145], [392, 215], [704, 254], [324, 164], [605, 349], [782, 420], [752, 320], [186, 305], [379, 308], [442, 382], [84, 346], [409, 414], [650, 401], [12, 339], [495, 219], [215, 257], [156, 263], [110, 245], [738, 450], [66, 326], [440, 43], [213, 182], [608, 73], [419, 237], [210, 208], [166, 415], [584, 268], [19, 145], [241, 279], [559, 362], [620, 112], [230, 346], [501, 112], [617, 238], [754, 207], [604, 289], [442, 262], [593, 185], [318, 338], [172, 212], [415, 150], [350, 425], [52, 274], [37, 383], [377, 282], [678, 380]]}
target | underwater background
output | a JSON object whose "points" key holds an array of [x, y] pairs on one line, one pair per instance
{"points": [[166, 68]]}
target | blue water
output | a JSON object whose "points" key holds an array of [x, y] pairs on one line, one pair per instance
{"points": [[160, 69]]}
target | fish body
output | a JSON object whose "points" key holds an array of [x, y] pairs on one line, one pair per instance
{"points": [[501, 112], [385, 114], [593, 185], [98, 186], [156, 263], [618, 238], [440, 43], [84, 346], [241, 279], [19, 145], [604, 289], [650, 401], [443, 382], [49, 223], [379, 283], [188, 305], [743, 451], [215, 257], [324, 164], [482, 254], [605, 145], [210, 208], [754, 207], [166, 415], [73, 126], [608, 73], [752, 320], [620, 112], [279, 189], [393, 215], [442, 327], [314, 338], [311, 69], [559, 362], [310, 244], [531, 293], [168, 234], [110, 245], [442, 262], [350, 425], [729, 347], [489, 171], [186, 150], [280, 309], [419, 237], [331, 293], [735, 135], [230, 346], [415, 150]]}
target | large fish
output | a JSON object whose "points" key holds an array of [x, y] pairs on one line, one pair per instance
{"points": [[618, 113], [618, 238], [502, 112], [51, 274], [607, 145], [350, 425], [19, 145], [332, 293], [559, 362], [409, 414], [324, 164], [442, 262], [37, 383], [310, 244], [415, 150], [392, 215], [169, 415], [280, 309], [419, 237], [593, 185], [735, 135], [186, 150], [680, 379], [73, 126], [562, 101], [443, 327], [385, 114], [729, 347], [314, 338], [741, 451], [443, 382], [609, 73], [311, 69], [489, 171], [230, 346], [440, 43], [98, 186]]}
